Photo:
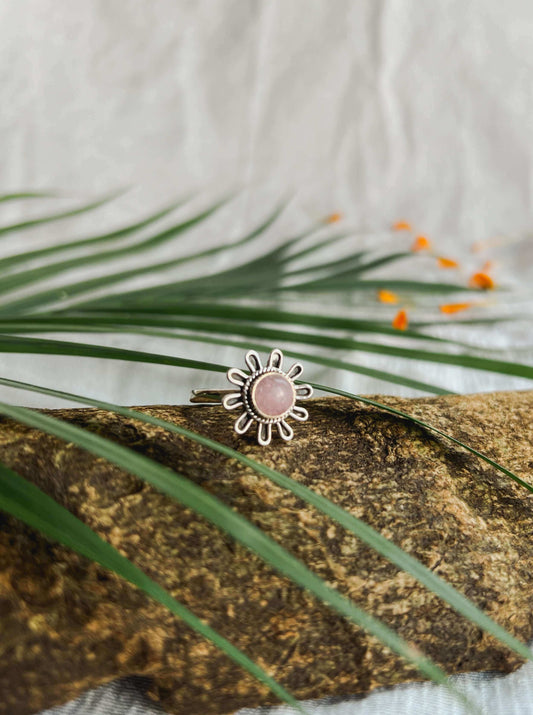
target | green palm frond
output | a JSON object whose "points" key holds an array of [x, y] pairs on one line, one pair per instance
{"points": [[50, 218], [90, 242], [199, 500], [202, 304], [26, 502], [356, 526], [4, 198]]}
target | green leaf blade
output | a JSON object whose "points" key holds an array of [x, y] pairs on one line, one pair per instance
{"points": [[25, 501], [52, 218], [359, 528], [203, 503]]}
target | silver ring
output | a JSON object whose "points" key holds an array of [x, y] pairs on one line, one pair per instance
{"points": [[266, 395]]}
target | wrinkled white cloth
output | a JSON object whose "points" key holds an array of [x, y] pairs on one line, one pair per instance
{"points": [[378, 109]]}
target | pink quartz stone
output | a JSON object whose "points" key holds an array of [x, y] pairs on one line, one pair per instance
{"points": [[273, 395]]}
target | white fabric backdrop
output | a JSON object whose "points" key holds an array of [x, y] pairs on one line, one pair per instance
{"points": [[383, 109], [379, 109]]}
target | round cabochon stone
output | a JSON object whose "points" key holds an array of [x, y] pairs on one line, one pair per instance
{"points": [[273, 395]]}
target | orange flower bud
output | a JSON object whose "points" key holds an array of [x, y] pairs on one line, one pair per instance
{"points": [[482, 281], [387, 296], [401, 321], [402, 226], [446, 263], [421, 243], [333, 218], [454, 307]]}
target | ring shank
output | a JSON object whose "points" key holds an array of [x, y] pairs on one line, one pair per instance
{"points": [[208, 397]]}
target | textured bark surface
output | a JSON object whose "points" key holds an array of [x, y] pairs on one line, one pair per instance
{"points": [[68, 625]]}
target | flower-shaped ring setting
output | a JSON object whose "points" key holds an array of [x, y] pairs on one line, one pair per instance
{"points": [[265, 396]]}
